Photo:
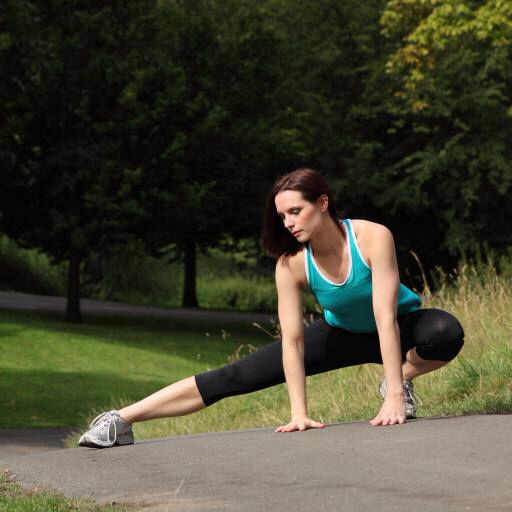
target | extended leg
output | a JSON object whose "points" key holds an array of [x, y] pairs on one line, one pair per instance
{"points": [[178, 399], [113, 428], [263, 368], [260, 369]]}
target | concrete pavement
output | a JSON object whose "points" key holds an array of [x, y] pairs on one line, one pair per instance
{"points": [[433, 464]]}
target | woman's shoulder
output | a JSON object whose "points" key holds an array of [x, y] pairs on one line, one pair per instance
{"points": [[366, 229], [365, 232], [294, 264]]}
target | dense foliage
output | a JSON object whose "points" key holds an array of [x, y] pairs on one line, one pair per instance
{"points": [[165, 122]]}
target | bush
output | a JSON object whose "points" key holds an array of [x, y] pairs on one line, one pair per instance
{"points": [[29, 270], [129, 275]]}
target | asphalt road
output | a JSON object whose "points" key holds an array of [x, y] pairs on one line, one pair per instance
{"points": [[431, 464], [22, 441]]}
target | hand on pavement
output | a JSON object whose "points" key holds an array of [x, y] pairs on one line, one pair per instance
{"points": [[299, 423], [392, 412]]}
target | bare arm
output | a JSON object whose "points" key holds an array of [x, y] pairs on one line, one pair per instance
{"points": [[290, 318], [292, 335], [385, 283]]}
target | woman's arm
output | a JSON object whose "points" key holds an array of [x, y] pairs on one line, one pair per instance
{"points": [[385, 283], [289, 297]]}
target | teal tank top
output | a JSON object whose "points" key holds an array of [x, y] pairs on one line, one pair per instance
{"points": [[348, 305]]}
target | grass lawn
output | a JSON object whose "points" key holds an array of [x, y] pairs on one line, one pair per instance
{"points": [[54, 374], [15, 499]]}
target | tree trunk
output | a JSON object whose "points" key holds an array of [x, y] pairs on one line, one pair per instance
{"points": [[73, 306], [189, 288]]}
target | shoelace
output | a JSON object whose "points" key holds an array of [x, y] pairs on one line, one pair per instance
{"points": [[410, 395], [102, 419]]}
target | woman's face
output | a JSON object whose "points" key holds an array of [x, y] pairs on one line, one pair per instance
{"points": [[300, 217]]}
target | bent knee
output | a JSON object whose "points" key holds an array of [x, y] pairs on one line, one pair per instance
{"points": [[453, 339], [446, 339]]}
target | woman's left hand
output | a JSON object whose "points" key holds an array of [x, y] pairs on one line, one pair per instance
{"points": [[392, 412]]}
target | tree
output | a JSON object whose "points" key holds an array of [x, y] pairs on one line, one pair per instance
{"points": [[62, 190], [208, 118], [452, 97]]}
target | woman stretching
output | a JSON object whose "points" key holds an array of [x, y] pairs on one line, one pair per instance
{"points": [[368, 317]]}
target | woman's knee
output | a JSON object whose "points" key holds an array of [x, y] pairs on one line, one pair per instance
{"points": [[260, 369], [216, 384], [445, 339]]}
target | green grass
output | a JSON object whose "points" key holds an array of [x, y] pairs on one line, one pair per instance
{"points": [[54, 373], [15, 499]]}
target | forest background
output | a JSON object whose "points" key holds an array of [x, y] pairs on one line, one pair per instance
{"points": [[139, 136]]}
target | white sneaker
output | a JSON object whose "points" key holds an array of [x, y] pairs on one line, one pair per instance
{"points": [[411, 399], [99, 433]]}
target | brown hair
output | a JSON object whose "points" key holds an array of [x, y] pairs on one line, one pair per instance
{"points": [[275, 239]]}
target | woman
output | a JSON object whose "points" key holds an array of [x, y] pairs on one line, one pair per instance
{"points": [[368, 317]]}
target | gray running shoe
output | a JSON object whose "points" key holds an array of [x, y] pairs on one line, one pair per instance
{"points": [[411, 399], [106, 430]]}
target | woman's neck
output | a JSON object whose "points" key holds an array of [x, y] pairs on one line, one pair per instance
{"points": [[328, 239]]}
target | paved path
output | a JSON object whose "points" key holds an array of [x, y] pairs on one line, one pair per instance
{"points": [[22, 441], [25, 301], [432, 464]]}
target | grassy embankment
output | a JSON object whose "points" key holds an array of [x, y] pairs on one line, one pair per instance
{"points": [[54, 373], [59, 374], [13, 498]]}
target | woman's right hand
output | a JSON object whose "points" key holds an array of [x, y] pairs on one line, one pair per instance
{"points": [[299, 423]]}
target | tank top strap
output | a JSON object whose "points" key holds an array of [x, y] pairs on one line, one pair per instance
{"points": [[310, 273], [359, 264]]}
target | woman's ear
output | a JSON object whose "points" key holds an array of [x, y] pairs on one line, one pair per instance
{"points": [[323, 202]]}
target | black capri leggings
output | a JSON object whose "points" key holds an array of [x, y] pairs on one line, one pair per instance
{"points": [[436, 334]]}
